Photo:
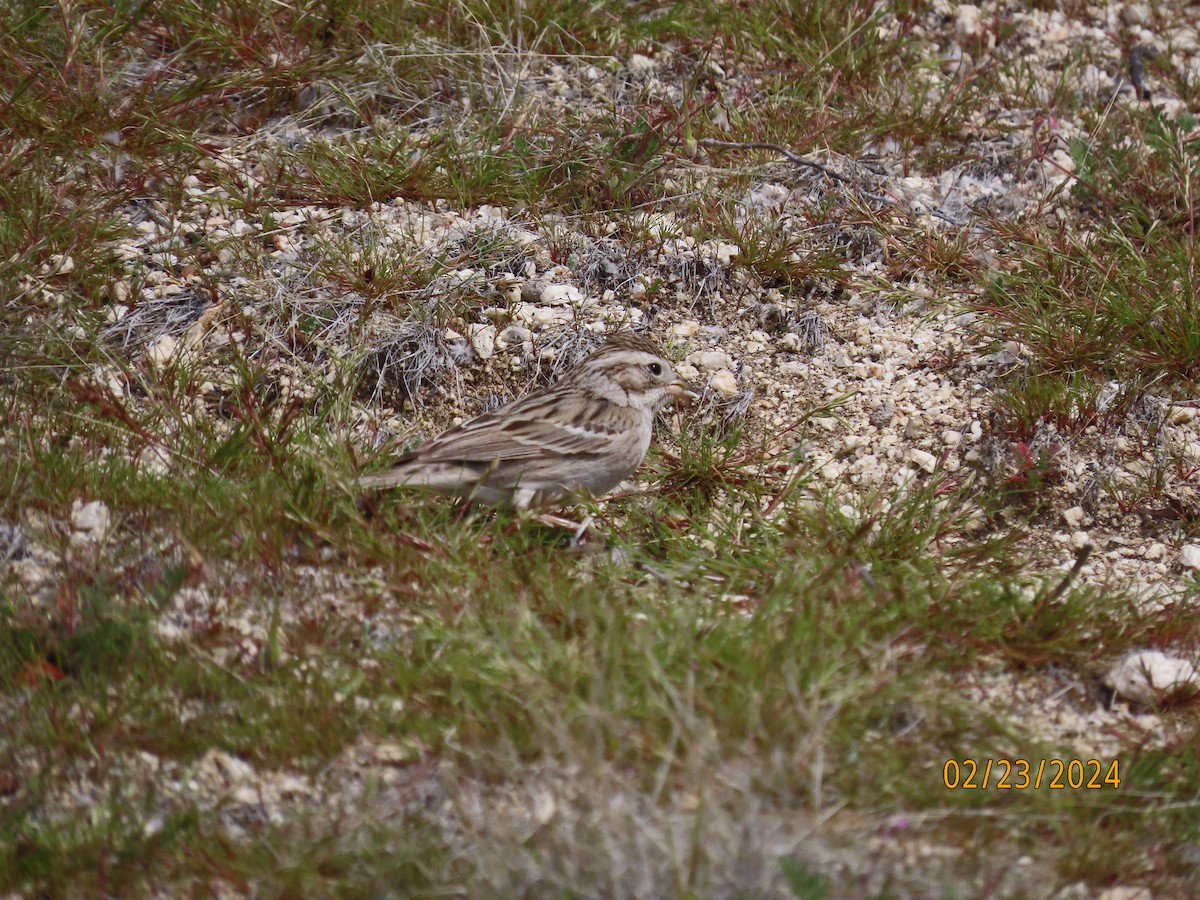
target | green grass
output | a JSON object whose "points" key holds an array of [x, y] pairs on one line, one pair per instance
{"points": [[746, 672], [698, 639]]}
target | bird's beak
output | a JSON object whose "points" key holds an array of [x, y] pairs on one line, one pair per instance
{"points": [[681, 390]]}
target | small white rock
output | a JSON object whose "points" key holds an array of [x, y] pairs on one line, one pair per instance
{"points": [[1136, 14], [923, 459], [483, 339], [394, 754], [724, 382], [1189, 556], [92, 518], [1147, 676], [685, 329], [155, 459], [549, 315], [561, 295], [640, 64], [1080, 539], [161, 351], [1125, 892], [58, 264], [710, 360], [968, 22], [246, 794], [1073, 516], [513, 334]]}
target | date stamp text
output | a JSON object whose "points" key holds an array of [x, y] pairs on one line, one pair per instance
{"points": [[1031, 774]]}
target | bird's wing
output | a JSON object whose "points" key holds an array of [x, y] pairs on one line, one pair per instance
{"points": [[516, 434]]}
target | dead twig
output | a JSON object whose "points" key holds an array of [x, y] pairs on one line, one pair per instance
{"points": [[1137, 70], [794, 158], [1081, 557]]}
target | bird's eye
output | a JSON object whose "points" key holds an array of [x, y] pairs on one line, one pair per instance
{"points": [[655, 369]]}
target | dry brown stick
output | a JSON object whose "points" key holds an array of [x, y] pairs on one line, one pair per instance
{"points": [[774, 148], [1081, 557]]}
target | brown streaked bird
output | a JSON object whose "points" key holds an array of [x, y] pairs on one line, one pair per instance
{"points": [[586, 432]]}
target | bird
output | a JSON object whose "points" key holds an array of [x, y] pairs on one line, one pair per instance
{"points": [[587, 432]]}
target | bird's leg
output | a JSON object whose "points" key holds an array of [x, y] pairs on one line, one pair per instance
{"points": [[582, 529], [578, 529], [463, 510]]}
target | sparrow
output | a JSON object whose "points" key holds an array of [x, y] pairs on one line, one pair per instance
{"points": [[587, 432]]}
